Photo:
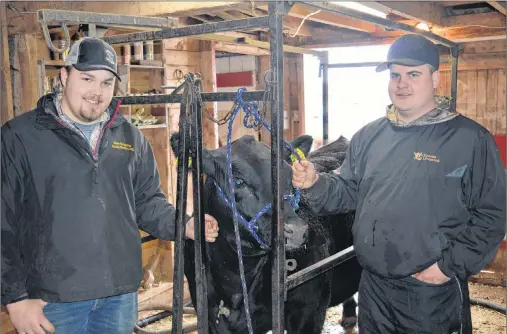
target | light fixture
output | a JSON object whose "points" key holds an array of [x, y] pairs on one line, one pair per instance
{"points": [[423, 26]]}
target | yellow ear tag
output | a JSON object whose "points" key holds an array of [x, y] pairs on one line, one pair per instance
{"points": [[293, 158], [189, 162]]}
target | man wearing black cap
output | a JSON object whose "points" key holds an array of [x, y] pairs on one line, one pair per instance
{"points": [[427, 186], [78, 182]]}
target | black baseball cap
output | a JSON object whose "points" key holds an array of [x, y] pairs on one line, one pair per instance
{"points": [[411, 50], [90, 54]]}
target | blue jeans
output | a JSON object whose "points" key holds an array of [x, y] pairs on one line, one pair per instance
{"points": [[111, 315]]}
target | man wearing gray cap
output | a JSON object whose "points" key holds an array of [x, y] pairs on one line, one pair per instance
{"points": [[78, 182], [427, 186]]}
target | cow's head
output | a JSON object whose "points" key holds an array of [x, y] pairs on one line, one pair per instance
{"points": [[251, 169]]}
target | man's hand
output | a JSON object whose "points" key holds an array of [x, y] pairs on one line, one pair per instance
{"points": [[210, 228], [304, 174], [28, 318], [431, 275]]}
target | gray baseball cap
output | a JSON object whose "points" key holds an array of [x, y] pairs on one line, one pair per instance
{"points": [[90, 54], [411, 50]]}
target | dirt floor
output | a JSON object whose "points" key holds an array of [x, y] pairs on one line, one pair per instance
{"points": [[485, 321]]}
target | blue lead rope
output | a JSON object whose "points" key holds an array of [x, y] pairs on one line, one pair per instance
{"points": [[251, 109]]}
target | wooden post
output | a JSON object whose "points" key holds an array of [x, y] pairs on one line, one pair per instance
{"points": [[209, 76], [5, 75]]}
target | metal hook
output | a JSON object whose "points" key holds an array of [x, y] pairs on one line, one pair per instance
{"points": [[50, 44]]}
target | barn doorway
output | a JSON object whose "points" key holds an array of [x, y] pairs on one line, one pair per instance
{"points": [[357, 95]]}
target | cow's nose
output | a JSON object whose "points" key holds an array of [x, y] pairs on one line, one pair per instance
{"points": [[295, 235]]}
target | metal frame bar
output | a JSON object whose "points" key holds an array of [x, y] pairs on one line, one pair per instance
{"points": [[181, 208], [276, 11], [200, 242], [177, 98], [319, 268], [194, 30], [54, 15]]}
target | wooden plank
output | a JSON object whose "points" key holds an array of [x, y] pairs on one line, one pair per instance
{"points": [[499, 6], [482, 76], [484, 47], [471, 98], [491, 100], [334, 20], [484, 19], [501, 107], [461, 106], [208, 71], [23, 19], [428, 12], [7, 111]]}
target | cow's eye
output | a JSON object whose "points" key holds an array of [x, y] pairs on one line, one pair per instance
{"points": [[239, 182]]}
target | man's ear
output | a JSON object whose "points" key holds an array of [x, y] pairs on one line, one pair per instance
{"points": [[208, 161], [303, 143], [435, 77], [63, 76]]}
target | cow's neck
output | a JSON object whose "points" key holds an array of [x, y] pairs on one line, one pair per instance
{"points": [[227, 271]]}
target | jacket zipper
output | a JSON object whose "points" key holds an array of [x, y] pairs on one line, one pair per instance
{"points": [[97, 145], [95, 156]]}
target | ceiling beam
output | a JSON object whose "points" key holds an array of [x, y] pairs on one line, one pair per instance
{"points": [[460, 35], [484, 19], [301, 11], [427, 12], [499, 6], [22, 16]]}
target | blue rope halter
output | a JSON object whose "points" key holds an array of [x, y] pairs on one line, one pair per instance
{"points": [[251, 109]]}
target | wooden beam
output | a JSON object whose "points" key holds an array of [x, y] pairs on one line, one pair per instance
{"points": [[331, 19], [209, 74], [22, 16], [7, 111], [428, 12], [240, 49], [499, 6], [483, 19], [254, 43]]}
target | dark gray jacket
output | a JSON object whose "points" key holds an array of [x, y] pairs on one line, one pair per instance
{"points": [[71, 215], [431, 191]]}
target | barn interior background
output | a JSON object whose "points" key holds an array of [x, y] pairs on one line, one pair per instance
{"points": [[231, 60]]}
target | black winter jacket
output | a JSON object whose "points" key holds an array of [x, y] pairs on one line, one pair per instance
{"points": [[71, 215], [431, 192]]}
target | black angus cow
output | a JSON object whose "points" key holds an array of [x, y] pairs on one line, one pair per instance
{"points": [[309, 240]]}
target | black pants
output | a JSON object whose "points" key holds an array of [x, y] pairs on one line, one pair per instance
{"points": [[409, 306]]}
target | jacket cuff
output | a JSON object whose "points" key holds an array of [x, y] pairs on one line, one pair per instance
{"points": [[446, 267], [11, 300], [316, 190]]}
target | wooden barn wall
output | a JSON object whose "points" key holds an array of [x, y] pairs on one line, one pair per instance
{"points": [[481, 85]]}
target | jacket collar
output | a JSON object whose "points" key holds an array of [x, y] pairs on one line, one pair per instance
{"points": [[440, 114], [46, 113]]}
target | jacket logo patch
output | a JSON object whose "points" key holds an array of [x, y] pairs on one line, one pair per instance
{"points": [[423, 156], [458, 172], [122, 146]]}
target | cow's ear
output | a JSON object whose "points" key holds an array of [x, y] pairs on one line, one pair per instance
{"points": [[303, 143], [208, 161]]}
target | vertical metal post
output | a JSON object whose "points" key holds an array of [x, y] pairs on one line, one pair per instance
{"points": [[181, 208], [324, 63], [200, 240], [276, 12], [454, 76]]}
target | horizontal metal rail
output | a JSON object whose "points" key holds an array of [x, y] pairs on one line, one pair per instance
{"points": [[377, 20], [58, 16], [176, 98], [319, 268], [147, 238], [193, 30]]}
